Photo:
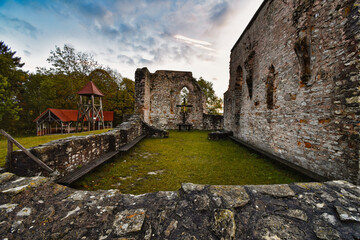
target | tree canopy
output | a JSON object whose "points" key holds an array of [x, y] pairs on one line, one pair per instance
{"points": [[24, 96], [11, 82], [70, 62], [213, 102]]}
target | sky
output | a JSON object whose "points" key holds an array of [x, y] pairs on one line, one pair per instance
{"points": [[182, 35]]}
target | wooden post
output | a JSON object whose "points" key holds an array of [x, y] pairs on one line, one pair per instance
{"points": [[93, 117], [9, 152], [38, 161], [102, 114]]}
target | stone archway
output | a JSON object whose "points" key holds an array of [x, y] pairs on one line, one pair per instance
{"points": [[157, 94]]}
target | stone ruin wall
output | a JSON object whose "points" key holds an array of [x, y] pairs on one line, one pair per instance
{"points": [[157, 94], [37, 208], [213, 122], [65, 155], [294, 85]]}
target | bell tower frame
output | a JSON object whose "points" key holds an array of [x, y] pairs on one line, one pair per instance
{"points": [[90, 107]]}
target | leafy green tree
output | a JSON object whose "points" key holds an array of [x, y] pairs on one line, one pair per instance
{"points": [[70, 62], [11, 87], [57, 86], [124, 100], [213, 102], [69, 70]]}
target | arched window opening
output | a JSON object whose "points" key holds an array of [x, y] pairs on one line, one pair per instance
{"points": [[249, 82], [270, 87], [184, 95], [303, 52], [239, 78], [249, 67]]}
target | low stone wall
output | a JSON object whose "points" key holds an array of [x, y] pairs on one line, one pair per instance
{"points": [[219, 135], [67, 154], [213, 122], [37, 208]]}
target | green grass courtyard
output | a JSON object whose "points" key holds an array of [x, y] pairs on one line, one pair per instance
{"points": [[163, 164]]}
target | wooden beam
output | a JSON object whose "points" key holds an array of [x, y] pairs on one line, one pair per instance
{"points": [[9, 151], [38, 161]]}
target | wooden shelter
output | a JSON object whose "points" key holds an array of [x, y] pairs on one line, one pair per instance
{"points": [[53, 121], [90, 107]]}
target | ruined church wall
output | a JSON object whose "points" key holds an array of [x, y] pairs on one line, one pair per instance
{"points": [[157, 95], [294, 85]]}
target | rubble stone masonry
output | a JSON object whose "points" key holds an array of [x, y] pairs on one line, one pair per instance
{"points": [[37, 208], [294, 86], [157, 94]]}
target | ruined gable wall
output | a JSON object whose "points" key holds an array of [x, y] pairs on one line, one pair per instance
{"points": [[158, 94], [294, 85]]}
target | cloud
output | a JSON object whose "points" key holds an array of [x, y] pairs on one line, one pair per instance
{"points": [[125, 59], [19, 25], [144, 61], [148, 26], [27, 53], [193, 42], [219, 11], [147, 31]]}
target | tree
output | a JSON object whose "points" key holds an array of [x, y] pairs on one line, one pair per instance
{"points": [[57, 86], [72, 67], [11, 87], [123, 102], [69, 62], [213, 102]]}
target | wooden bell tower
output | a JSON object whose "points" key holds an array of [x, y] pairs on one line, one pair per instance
{"points": [[90, 107]]}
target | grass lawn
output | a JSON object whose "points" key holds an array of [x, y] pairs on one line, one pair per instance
{"points": [[28, 142], [163, 164]]}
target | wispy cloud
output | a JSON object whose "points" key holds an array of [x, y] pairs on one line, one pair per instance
{"points": [[27, 53], [159, 28], [194, 42], [19, 25], [126, 59]]}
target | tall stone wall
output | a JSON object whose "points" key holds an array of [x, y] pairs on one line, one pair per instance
{"points": [[295, 85], [157, 94]]}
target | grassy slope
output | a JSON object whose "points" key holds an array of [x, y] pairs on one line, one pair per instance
{"points": [[185, 157], [28, 142]]}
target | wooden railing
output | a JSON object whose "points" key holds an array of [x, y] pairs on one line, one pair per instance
{"points": [[12, 141]]}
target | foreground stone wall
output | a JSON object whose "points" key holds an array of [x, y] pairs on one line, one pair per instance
{"points": [[294, 85], [65, 155], [157, 94], [36, 208]]}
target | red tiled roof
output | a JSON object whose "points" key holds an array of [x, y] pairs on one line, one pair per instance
{"points": [[67, 115], [90, 88]]}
